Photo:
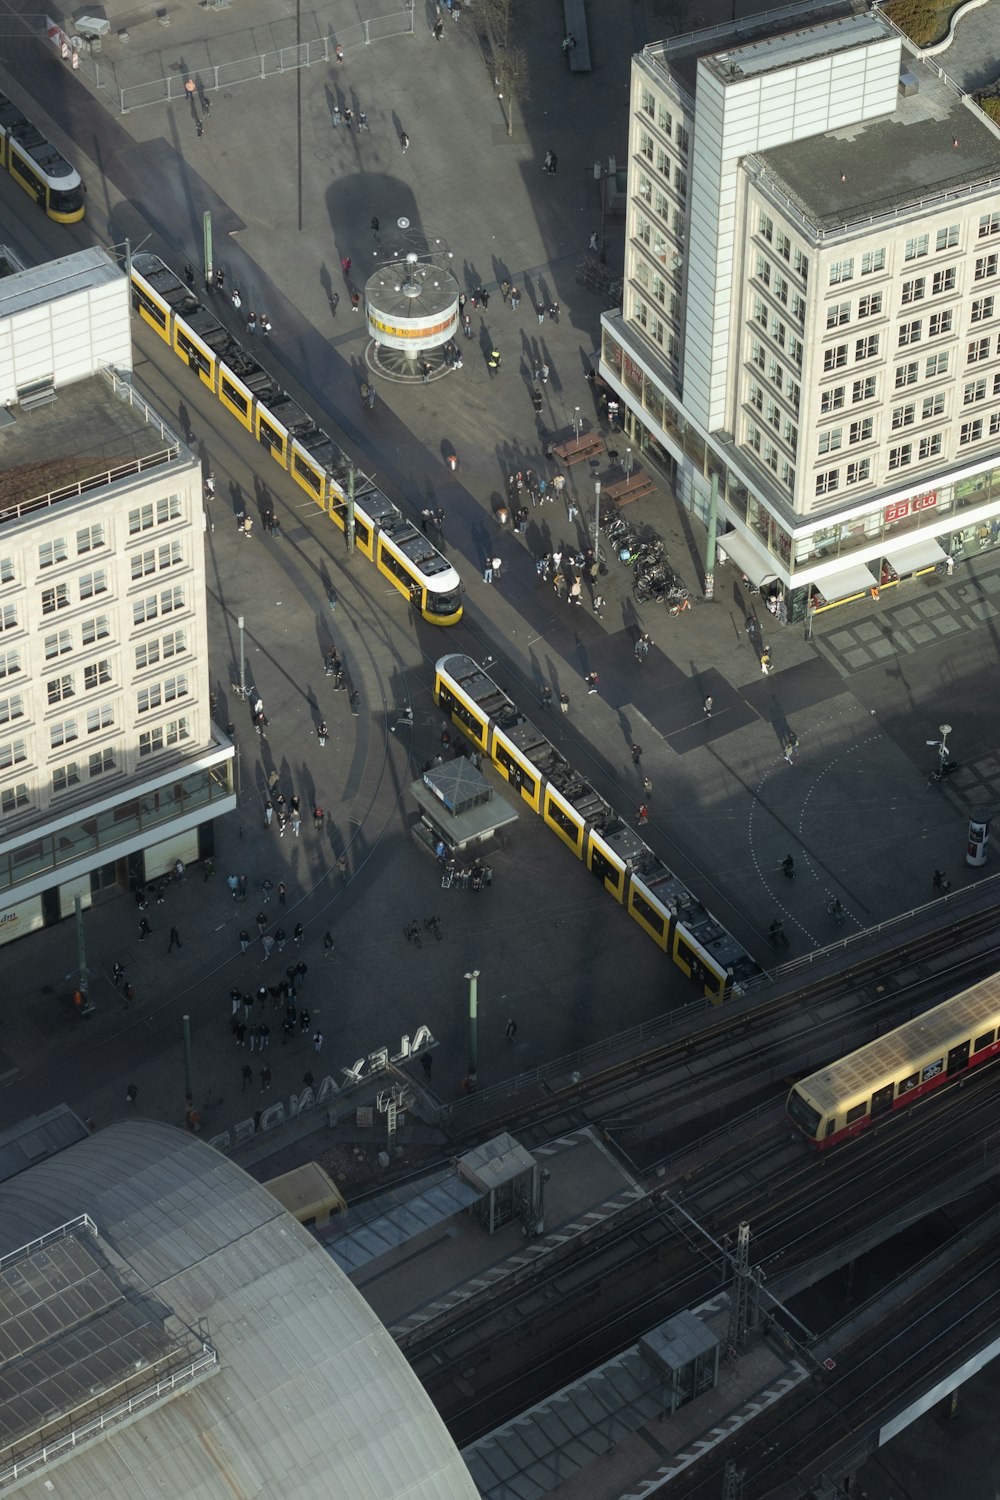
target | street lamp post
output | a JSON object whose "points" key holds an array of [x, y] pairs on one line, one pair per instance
{"points": [[597, 513], [473, 978], [945, 730], [243, 667], [576, 422]]}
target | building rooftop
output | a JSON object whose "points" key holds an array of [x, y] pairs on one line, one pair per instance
{"points": [[79, 434], [932, 147], [178, 1333]]}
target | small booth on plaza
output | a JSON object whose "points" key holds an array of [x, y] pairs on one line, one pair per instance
{"points": [[458, 807]]}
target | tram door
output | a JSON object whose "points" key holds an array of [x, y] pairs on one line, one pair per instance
{"points": [[958, 1059], [882, 1100]]}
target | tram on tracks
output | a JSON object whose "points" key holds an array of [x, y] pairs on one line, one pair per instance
{"points": [[37, 167], [840, 1101], [399, 550], [590, 828]]}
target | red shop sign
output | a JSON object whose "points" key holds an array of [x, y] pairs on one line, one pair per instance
{"points": [[902, 508]]}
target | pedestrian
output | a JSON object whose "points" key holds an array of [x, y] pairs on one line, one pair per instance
{"points": [[219, 281], [129, 993], [235, 298], [591, 681], [765, 662], [318, 816], [268, 813], [467, 325], [545, 374], [117, 974], [348, 116], [563, 703], [510, 1030], [328, 944], [131, 1093], [267, 886], [334, 302], [505, 289], [484, 297], [554, 312], [297, 934], [247, 1077], [244, 940], [576, 591], [706, 707], [175, 939], [404, 141], [488, 570], [338, 53], [941, 883], [189, 89], [425, 371], [551, 161], [261, 920], [252, 322], [345, 265], [791, 747], [362, 121], [593, 241], [572, 510], [304, 1020], [296, 823], [144, 929], [438, 29], [280, 938], [355, 301], [282, 892], [515, 298], [540, 314], [240, 1031], [263, 1035], [265, 328], [317, 1041], [267, 942], [189, 275], [265, 1079], [636, 754], [647, 786], [322, 732], [643, 813]]}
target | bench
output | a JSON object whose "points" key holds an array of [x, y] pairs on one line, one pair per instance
{"points": [[575, 450], [575, 19], [626, 490]]}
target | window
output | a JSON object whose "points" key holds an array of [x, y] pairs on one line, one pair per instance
{"points": [[795, 351], [901, 456], [150, 741], [946, 239], [933, 406], [775, 373], [755, 396], [913, 291], [93, 583], [829, 442], [872, 261], [982, 309], [835, 357], [64, 732], [96, 674], [10, 662], [145, 516], [828, 482], [773, 415], [680, 182], [944, 281], [88, 538], [902, 416], [907, 374], [793, 394], [798, 306], [801, 264], [863, 390], [97, 629], [975, 390], [100, 718], [646, 145], [101, 761], [683, 139], [143, 563], [788, 476], [149, 698], [994, 423], [916, 247], [50, 553], [757, 353], [909, 333], [13, 797], [771, 456], [765, 226], [58, 644], [837, 314], [783, 245], [862, 431], [867, 348], [832, 399], [870, 306], [55, 598], [989, 224], [841, 270], [781, 289], [8, 617], [12, 753], [940, 323], [163, 603], [977, 350], [647, 102], [57, 689], [6, 570], [858, 472], [971, 432], [790, 432], [778, 330], [929, 447], [986, 265], [937, 364], [664, 119]]}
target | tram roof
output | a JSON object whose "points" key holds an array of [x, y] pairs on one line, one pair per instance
{"points": [[896, 1055]]}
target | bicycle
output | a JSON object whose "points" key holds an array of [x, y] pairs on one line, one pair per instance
{"points": [[433, 925], [411, 932], [836, 911], [787, 867], [777, 934], [681, 604]]}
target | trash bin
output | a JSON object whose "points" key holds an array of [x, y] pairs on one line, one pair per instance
{"points": [[979, 842]]}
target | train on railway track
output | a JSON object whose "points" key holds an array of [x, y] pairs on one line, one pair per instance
{"points": [[590, 828], [247, 391], [840, 1101], [36, 165]]}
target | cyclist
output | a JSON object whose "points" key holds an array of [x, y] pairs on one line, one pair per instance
{"points": [[788, 867]]}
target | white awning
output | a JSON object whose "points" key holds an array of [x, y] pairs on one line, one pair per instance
{"points": [[914, 553], [753, 560], [852, 579]]}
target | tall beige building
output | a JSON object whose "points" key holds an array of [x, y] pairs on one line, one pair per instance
{"points": [[812, 298], [110, 768]]}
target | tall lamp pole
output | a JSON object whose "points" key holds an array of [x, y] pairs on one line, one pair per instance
{"points": [[597, 513], [243, 665], [473, 979]]}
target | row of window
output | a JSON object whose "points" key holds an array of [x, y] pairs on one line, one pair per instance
{"points": [[12, 706], [778, 331], [776, 373], [863, 430], [873, 262], [770, 455], [60, 642], [835, 355], [95, 674], [789, 253], [91, 538], [65, 731], [774, 415], [901, 455], [65, 777], [14, 753], [673, 174], [665, 121]]}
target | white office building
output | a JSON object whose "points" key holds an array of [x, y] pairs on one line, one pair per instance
{"points": [[110, 768], [812, 298]]}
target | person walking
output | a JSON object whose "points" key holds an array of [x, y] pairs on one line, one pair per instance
{"points": [[426, 1062], [636, 754], [328, 944], [297, 934], [488, 570], [404, 141], [322, 732], [131, 1094], [505, 289], [484, 297], [941, 883], [591, 680], [144, 929], [510, 1030], [540, 314], [642, 814], [247, 1077], [647, 786], [706, 707], [550, 163], [317, 1041], [266, 887], [282, 892], [438, 29], [515, 299], [563, 703], [175, 940], [318, 817], [244, 940], [345, 264], [265, 1079]]}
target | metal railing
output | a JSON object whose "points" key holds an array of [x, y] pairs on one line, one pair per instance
{"points": [[82, 1221]]}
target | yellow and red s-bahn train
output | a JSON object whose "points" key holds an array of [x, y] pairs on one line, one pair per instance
{"points": [[400, 551], [579, 816], [891, 1073], [38, 167]]}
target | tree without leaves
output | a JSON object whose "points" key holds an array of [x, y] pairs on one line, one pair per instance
{"points": [[496, 16], [512, 78]]}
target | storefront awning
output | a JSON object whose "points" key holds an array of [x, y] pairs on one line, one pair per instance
{"points": [[855, 578], [753, 560], [914, 553]]}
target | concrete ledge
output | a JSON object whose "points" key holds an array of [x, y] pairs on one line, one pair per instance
{"points": [[963, 10]]}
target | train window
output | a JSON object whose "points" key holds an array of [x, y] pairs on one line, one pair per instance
{"points": [[450, 704], [649, 914], [602, 866], [831, 1125], [194, 356], [306, 474], [857, 1112], [882, 1099], [563, 820], [983, 1041], [393, 565], [153, 312], [233, 395], [803, 1113], [906, 1084], [28, 177], [516, 773], [362, 533], [269, 435], [932, 1069]]}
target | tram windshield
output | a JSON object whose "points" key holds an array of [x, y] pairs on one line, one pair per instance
{"points": [[443, 604], [66, 200], [805, 1117]]}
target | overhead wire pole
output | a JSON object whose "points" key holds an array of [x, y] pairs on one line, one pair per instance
{"points": [[206, 234], [473, 978]]}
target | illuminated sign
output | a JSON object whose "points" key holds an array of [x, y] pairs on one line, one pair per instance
{"points": [[903, 508]]}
